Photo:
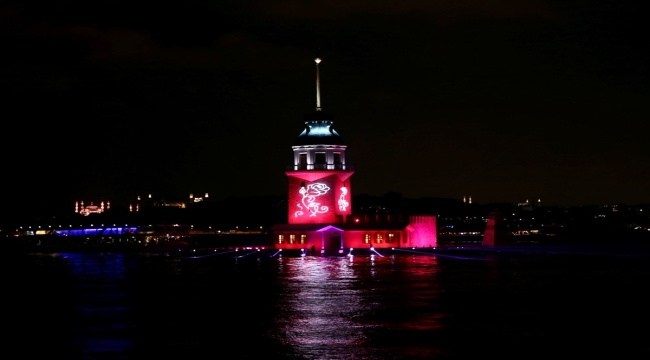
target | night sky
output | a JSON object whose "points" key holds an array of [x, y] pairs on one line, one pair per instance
{"points": [[499, 100]]}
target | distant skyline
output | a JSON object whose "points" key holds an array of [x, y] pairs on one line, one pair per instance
{"points": [[502, 102]]}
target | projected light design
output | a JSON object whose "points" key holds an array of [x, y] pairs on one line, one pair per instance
{"points": [[308, 201], [343, 204]]}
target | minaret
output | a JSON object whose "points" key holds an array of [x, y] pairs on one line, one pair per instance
{"points": [[319, 179]]}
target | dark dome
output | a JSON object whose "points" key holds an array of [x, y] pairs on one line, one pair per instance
{"points": [[319, 131]]}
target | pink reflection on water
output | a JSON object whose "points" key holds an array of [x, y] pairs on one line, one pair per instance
{"points": [[329, 303], [321, 301]]}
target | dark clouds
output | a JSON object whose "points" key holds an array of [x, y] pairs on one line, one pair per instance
{"points": [[498, 100]]}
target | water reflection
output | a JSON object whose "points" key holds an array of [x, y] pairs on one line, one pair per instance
{"points": [[336, 308], [401, 306], [103, 305], [318, 308]]}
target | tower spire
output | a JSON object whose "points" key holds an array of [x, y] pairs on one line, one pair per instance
{"points": [[317, 60]]}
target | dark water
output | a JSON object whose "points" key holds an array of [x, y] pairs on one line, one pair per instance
{"points": [[464, 304]]}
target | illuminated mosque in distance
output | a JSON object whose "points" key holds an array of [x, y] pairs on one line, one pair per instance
{"points": [[80, 209], [320, 199]]}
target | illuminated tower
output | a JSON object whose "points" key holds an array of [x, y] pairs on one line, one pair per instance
{"points": [[319, 179]]}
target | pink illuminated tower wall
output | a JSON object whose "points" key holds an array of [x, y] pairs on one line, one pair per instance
{"points": [[318, 197], [319, 179]]}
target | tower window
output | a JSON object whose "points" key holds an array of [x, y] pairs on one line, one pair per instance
{"points": [[292, 239], [391, 238], [337, 158], [366, 238], [302, 165], [280, 239], [303, 238], [320, 161], [379, 239]]}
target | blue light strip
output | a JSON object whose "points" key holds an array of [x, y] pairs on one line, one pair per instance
{"points": [[241, 256], [96, 231]]}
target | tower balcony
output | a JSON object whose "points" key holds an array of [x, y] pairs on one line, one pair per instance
{"points": [[303, 167]]}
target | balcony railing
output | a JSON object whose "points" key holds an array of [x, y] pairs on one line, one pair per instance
{"points": [[320, 167]]}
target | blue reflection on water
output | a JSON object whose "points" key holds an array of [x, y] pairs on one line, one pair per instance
{"points": [[104, 305]]}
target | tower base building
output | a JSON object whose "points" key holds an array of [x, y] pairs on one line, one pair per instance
{"points": [[358, 233]]}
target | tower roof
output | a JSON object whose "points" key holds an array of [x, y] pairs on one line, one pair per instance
{"points": [[318, 125], [319, 131]]}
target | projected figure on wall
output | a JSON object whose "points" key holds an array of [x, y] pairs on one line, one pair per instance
{"points": [[343, 204], [309, 194]]}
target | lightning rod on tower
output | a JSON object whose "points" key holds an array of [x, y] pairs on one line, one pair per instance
{"points": [[317, 60]]}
